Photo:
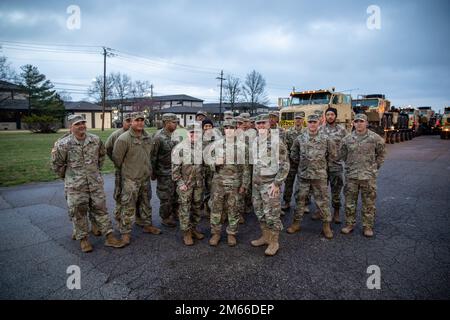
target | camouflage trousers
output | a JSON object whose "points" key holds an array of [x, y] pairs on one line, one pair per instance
{"points": [[117, 198], [289, 185], [267, 209], [166, 191], [90, 216], [368, 189], [208, 185], [319, 189], [135, 194], [336, 183], [225, 200], [190, 203], [86, 199]]}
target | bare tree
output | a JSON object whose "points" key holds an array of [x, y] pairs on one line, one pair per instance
{"points": [[140, 88], [254, 89], [233, 90], [95, 91], [64, 95], [6, 72]]}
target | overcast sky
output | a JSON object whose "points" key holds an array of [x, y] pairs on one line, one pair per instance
{"points": [[184, 45]]}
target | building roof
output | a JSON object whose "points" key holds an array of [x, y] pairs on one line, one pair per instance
{"points": [[175, 97], [5, 85], [83, 106], [180, 109]]}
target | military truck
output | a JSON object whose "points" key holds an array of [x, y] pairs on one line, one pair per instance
{"points": [[445, 129], [315, 101], [428, 120], [413, 119], [390, 123]]}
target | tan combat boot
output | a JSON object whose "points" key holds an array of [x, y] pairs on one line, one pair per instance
{"points": [[197, 234], [187, 238], [273, 247], [368, 232], [348, 228], [263, 239], [214, 241], [151, 229], [95, 231], [169, 222], [336, 218], [231, 240], [85, 245], [112, 241], [294, 227], [326, 230], [126, 238]]}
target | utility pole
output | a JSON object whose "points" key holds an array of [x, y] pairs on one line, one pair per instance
{"points": [[109, 54], [221, 78], [151, 91]]}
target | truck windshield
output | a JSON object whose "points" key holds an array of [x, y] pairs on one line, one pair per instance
{"points": [[311, 98], [371, 103]]}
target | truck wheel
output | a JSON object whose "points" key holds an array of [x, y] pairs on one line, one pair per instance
{"points": [[391, 138], [397, 137], [402, 136]]}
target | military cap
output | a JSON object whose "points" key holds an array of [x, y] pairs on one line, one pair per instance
{"points": [[263, 117], [229, 123], [169, 117], [245, 117], [313, 117], [360, 116], [252, 119], [127, 116], [201, 113], [192, 127], [75, 118], [318, 112], [137, 115], [238, 119], [299, 115], [274, 113]]}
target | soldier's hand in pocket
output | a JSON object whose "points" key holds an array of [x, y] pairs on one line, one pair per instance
{"points": [[274, 191], [183, 188]]}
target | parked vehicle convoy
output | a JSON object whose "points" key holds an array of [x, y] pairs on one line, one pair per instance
{"points": [[445, 129]]}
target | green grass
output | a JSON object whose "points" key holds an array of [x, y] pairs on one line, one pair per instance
{"points": [[25, 156]]}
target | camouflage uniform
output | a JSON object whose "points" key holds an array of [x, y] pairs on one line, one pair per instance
{"points": [[312, 154], [291, 136], [268, 209], [131, 155], [190, 175], [228, 178], [79, 163], [162, 167], [363, 156], [335, 168]]}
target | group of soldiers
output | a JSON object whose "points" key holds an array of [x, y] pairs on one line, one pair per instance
{"points": [[312, 157]]}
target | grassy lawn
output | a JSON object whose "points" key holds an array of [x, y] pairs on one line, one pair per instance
{"points": [[25, 156]]}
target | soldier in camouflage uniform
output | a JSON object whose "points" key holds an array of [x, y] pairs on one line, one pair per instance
{"points": [[274, 124], [131, 155], [109, 145], [335, 134], [270, 169], [161, 161], [313, 156], [231, 180], [200, 116], [189, 178], [291, 136], [208, 138], [77, 159], [363, 153]]}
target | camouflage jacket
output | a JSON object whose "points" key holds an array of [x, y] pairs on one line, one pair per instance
{"points": [[290, 136], [79, 162], [233, 174], [131, 154], [109, 144], [263, 170], [363, 155], [189, 174], [335, 134], [161, 158], [312, 153]]}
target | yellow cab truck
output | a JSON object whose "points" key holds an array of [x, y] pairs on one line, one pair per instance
{"points": [[313, 102], [445, 129], [390, 123]]}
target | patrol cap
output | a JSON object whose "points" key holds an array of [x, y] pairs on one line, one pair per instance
{"points": [[137, 115], [274, 113], [127, 116], [169, 117], [253, 119], [192, 127], [201, 113], [262, 118], [313, 117], [360, 116], [318, 112], [229, 123], [245, 117], [238, 119], [75, 118], [299, 115]]}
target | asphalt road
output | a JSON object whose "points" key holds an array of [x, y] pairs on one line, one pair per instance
{"points": [[411, 247]]}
